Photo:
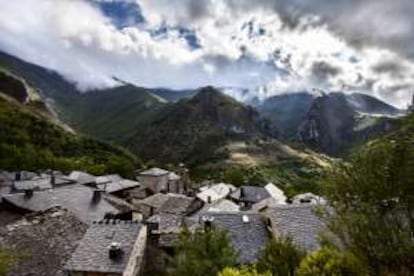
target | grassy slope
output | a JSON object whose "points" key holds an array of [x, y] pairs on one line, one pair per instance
{"points": [[113, 114], [29, 141]]}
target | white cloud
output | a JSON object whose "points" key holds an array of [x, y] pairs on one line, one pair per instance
{"points": [[243, 44]]}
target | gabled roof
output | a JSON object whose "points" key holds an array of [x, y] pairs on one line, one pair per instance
{"points": [[169, 228], [76, 198], [251, 194], [215, 192], [33, 184], [48, 239], [113, 187], [298, 222], [41, 183], [169, 203], [308, 198], [107, 178], [155, 201], [222, 205], [176, 204], [173, 176], [247, 232], [154, 172], [167, 223], [276, 193], [81, 177], [264, 204], [92, 252]]}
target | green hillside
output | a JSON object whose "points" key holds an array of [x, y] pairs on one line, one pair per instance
{"points": [[113, 114], [109, 114], [29, 141]]}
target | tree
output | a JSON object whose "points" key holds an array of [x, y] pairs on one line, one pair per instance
{"points": [[203, 253], [373, 201], [280, 256], [244, 271], [327, 261]]}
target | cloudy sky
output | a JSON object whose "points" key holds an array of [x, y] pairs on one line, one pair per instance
{"points": [[267, 46]]}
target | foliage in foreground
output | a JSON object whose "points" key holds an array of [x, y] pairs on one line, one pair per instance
{"points": [[244, 271], [328, 261], [281, 257], [203, 253], [373, 201]]}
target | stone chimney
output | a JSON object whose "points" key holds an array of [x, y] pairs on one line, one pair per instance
{"points": [[208, 222], [18, 176], [208, 199], [241, 193], [97, 194], [114, 250], [28, 193], [53, 179]]}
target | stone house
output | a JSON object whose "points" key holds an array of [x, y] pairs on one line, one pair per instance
{"points": [[169, 204], [299, 222], [161, 181], [110, 248]]}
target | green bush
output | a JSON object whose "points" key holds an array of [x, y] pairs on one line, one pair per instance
{"points": [[329, 262], [203, 253], [280, 256]]}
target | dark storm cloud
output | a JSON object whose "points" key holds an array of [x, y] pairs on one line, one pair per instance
{"points": [[382, 23], [323, 70], [393, 68]]}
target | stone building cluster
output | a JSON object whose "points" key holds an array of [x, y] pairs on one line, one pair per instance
{"points": [[109, 225]]}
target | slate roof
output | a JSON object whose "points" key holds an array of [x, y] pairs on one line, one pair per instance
{"points": [[81, 177], [248, 238], [107, 178], [113, 187], [176, 204], [76, 198], [215, 192], [222, 205], [41, 183], [169, 203], [264, 204], [34, 184], [276, 193], [155, 201], [250, 194], [308, 198], [46, 241], [173, 176], [298, 222], [154, 172], [6, 176], [169, 228], [167, 223], [92, 252]]}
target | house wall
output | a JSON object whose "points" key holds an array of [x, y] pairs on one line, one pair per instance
{"points": [[135, 264], [146, 210], [155, 183], [175, 186]]}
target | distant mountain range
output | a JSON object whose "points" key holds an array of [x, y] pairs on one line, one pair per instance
{"points": [[140, 118], [331, 123], [193, 128]]}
